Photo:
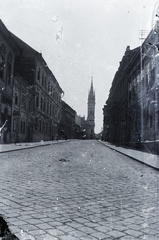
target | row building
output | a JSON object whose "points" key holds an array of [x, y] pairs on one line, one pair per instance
{"points": [[131, 112], [30, 96]]}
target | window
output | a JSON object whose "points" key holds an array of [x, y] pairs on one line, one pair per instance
{"points": [[48, 87], [22, 127], [152, 76], [47, 111], [151, 121], [45, 84], [53, 110], [51, 90], [36, 124], [136, 126], [50, 110], [44, 105], [130, 96], [30, 106], [38, 76], [54, 94], [43, 79], [9, 73], [41, 104], [14, 125], [9, 69], [56, 113], [24, 101], [2, 65], [130, 86], [2, 61], [16, 99], [37, 101], [40, 125], [43, 127]]}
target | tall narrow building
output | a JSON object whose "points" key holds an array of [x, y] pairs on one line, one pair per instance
{"points": [[91, 113]]}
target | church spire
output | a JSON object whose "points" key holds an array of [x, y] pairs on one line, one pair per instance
{"points": [[91, 95], [91, 112]]}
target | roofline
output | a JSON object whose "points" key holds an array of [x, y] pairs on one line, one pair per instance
{"points": [[36, 53], [15, 45]]}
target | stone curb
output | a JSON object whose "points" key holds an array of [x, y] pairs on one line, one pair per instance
{"points": [[112, 148], [29, 147]]}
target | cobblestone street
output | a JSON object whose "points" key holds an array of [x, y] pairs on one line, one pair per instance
{"points": [[78, 190]]}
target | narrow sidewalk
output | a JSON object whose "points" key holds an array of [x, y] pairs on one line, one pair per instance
{"points": [[20, 146], [149, 159]]}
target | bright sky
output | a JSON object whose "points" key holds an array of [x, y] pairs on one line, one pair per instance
{"points": [[79, 39]]}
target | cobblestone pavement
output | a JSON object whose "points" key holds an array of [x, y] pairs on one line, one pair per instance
{"points": [[78, 190]]}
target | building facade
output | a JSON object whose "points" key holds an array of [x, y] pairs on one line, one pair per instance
{"points": [[131, 113], [115, 110], [80, 127], [29, 92], [67, 122], [8, 52], [21, 111], [46, 91], [91, 113], [106, 125], [143, 92]]}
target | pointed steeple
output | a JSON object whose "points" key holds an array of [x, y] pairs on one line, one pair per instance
{"points": [[91, 95], [91, 112]]}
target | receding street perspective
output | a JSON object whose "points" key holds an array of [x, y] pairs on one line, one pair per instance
{"points": [[78, 190], [79, 120]]}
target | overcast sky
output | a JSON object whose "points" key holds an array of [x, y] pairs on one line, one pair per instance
{"points": [[79, 39]]}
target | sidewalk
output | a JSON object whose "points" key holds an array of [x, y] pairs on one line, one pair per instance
{"points": [[149, 159], [19, 146]]}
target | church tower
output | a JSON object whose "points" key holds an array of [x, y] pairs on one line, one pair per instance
{"points": [[91, 113]]}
